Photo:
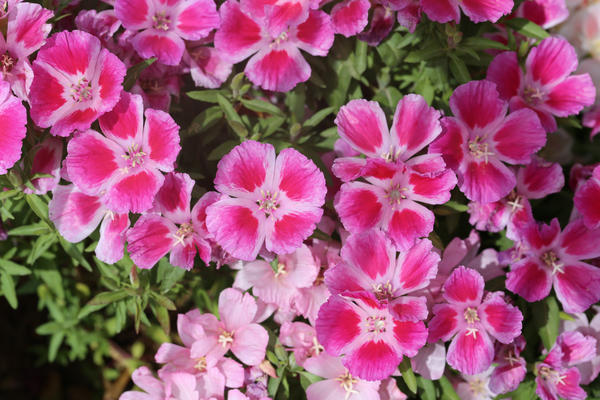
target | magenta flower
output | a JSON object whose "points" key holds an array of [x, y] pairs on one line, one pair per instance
{"points": [[271, 201], [480, 137], [46, 160], [76, 215], [350, 17], [207, 66], [124, 164], [369, 264], [547, 86], [472, 321], [545, 13], [75, 81], [13, 118], [174, 228], [553, 258], [476, 10], [163, 25], [511, 368], [590, 369], [26, 31], [247, 29], [586, 196], [396, 180], [370, 337]]}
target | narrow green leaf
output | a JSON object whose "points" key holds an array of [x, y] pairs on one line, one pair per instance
{"points": [[7, 284], [208, 96], [55, 342], [448, 391], [9, 193], [218, 152], [459, 69], [527, 28], [408, 375], [133, 73], [317, 117], [39, 206], [482, 43], [162, 316], [546, 317], [105, 298], [13, 268], [72, 250], [262, 106], [163, 301], [39, 228], [360, 57], [49, 328], [228, 109], [428, 389]]}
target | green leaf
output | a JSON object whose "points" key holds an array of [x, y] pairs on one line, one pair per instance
{"points": [[13, 268], [262, 106], [162, 316], [525, 391], [72, 250], [527, 28], [9, 193], [208, 96], [7, 284], [317, 117], [228, 109], [49, 328], [53, 279], [133, 73], [163, 301], [55, 342], [459, 69], [547, 319], [105, 298], [565, 317], [448, 391], [39, 228], [360, 57], [218, 152], [428, 389], [408, 375], [88, 309], [481, 43], [205, 120], [39, 206]]}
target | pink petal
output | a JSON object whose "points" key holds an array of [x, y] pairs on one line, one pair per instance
{"points": [[167, 47], [552, 61], [571, 95], [570, 389], [371, 252], [579, 241], [505, 72], [197, 19], [150, 239], [502, 321], [112, 72], [245, 168], [486, 10], [348, 168], [250, 343], [529, 280], [576, 347], [359, 206], [182, 255], [451, 143], [173, 198], [546, 13], [315, 35], [112, 238], [415, 125], [92, 160], [471, 353], [540, 178], [430, 362], [363, 125], [236, 309], [124, 123], [299, 178], [235, 227], [134, 192], [507, 377], [350, 17], [291, 229], [417, 266], [382, 23], [441, 10], [444, 323], [410, 336], [13, 118], [75, 214], [47, 160], [279, 14], [134, 14], [586, 203], [338, 325], [408, 308], [486, 182], [432, 188], [239, 36], [372, 361], [278, 69], [408, 222], [477, 104], [199, 210], [161, 139], [464, 286], [578, 287], [27, 28], [520, 136]]}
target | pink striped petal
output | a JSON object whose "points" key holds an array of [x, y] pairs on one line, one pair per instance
{"points": [[134, 14], [433, 187], [291, 229], [371, 252], [486, 182], [197, 19], [112, 238], [417, 266], [520, 136], [134, 192], [13, 118], [360, 206], [381, 25], [372, 361], [167, 47], [464, 286], [363, 125], [577, 347], [27, 29], [408, 222], [278, 69], [540, 178], [505, 72], [586, 202], [486, 10], [350, 17], [552, 61], [315, 35], [199, 210], [477, 104], [150, 239], [577, 287], [529, 280], [444, 323], [571, 95], [74, 214], [451, 144], [501, 320], [471, 353], [338, 325], [161, 139], [173, 198], [348, 168], [124, 123], [441, 10], [299, 178], [250, 344], [580, 242], [408, 308], [409, 336], [182, 255], [239, 36], [47, 160]]}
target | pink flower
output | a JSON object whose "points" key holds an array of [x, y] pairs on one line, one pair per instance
{"points": [[586, 200], [75, 81], [176, 386], [388, 390], [547, 86], [162, 25], [546, 13], [302, 339], [103, 24], [174, 228], [339, 383], [46, 160], [370, 337], [591, 119], [381, 25], [553, 258], [76, 215], [13, 118], [124, 164], [480, 137], [590, 369], [472, 321], [207, 66], [350, 17], [395, 180], [26, 31], [370, 264], [476, 10], [511, 368], [248, 28], [270, 201], [157, 84]]}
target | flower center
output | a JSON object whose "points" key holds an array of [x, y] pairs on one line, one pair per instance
{"points": [[347, 381], [316, 347], [480, 149], [283, 36], [183, 232], [225, 338], [471, 317], [201, 364], [551, 260], [533, 95], [511, 357], [549, 374], [477, 387], [268, 203], [396, 194], [81, 91], [7, 63], [514, 201], [280, 270], [150, 85], [382, 291], [161, 22], [376, 324], [392, 155], [135, 156]]}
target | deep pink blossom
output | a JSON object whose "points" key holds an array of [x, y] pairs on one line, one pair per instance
{"points": [[370, 337], [549, 257], [472, 321], [545, 13], [46, 160], [174, 228], [547, 86], [590, 369], [103, 24], [273, 43], [480, 138], [395, 180], [586, 200], [271, 201], [476, 10], [124, 164], [13, 118], [76, 215], [511, 368], [591, 119], [350, 17], [163, 25], [75, 81]]}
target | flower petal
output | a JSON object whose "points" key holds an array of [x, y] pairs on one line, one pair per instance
{"points": [[417, 266], [278, 69], [408, 222], [124, 123], [520, 136], [173, 198], [501, 320], [529, 280], [485, 182], [577, 287], [315, 35], [363, 125], [134, 191], [505, 72], [464, 286], [551, 61], [161, 139], [150, 239], [359, 205], [350, 17], [75, 214], [477, 104], [112, 238], [471, 353]]}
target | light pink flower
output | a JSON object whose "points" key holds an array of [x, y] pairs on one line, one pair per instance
{"points": [[339, 383], [545, 13], [586, 200], [547, 86], [476, 10], [302, 339], [103, 24], [76, 215], [590, 369], [476, 387], [207, 66], [26, 31], [124, 164], [370, 337], [591, 119], [13, 118], [395, 180], [271, 201], [553, 258], [430, 361], [511, 368], [480, 138], [273, 42], [163, 25], [472, 321], [75, 81], [174, 228], [175, 386], [46, 160]]}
